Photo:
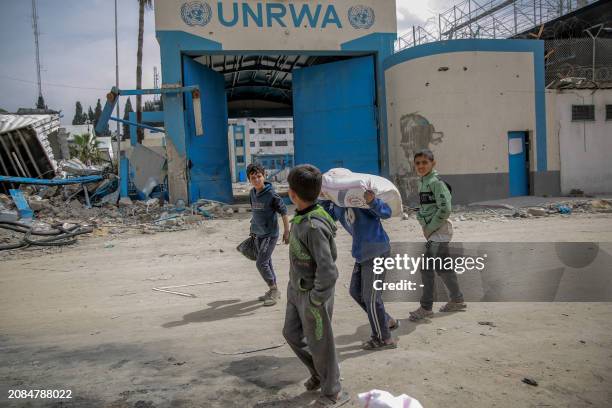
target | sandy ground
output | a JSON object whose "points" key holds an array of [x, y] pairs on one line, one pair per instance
{"points": [[85, 319]]}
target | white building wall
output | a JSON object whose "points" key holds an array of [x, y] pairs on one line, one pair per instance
{"points": [[471, 100], [585, 146]]}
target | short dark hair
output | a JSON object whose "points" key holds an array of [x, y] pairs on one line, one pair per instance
{"points": [[424, 153], [255, 168], [305, 180]]}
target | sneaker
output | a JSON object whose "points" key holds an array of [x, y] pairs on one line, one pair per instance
{"points": [[270, 297]]}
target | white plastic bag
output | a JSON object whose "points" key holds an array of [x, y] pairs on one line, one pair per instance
{"points": [[383, 399], [346, 189]]}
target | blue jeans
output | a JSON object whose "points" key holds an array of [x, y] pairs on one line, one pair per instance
{"points": [[370, 300], [265, 247]]}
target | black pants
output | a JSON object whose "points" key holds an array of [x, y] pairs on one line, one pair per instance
{"points": [[449, 277]]}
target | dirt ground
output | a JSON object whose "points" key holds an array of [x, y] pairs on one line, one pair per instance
{"points": [[85, 318]]}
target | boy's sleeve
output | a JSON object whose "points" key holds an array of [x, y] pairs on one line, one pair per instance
{"points": [[329, 207], [380, 208], [443, 204], [326, 272], [420, 219], [278, 205]]}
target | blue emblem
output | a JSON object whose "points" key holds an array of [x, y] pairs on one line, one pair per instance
{"points": [[361, 17], [196, 13]]}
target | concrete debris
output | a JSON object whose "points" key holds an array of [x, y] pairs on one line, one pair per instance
{"points": [[537, 212]]}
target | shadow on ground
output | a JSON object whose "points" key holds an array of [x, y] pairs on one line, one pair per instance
{"points": [[219, 310]]}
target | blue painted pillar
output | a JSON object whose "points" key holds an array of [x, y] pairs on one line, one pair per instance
{"points": [[124, 176]]}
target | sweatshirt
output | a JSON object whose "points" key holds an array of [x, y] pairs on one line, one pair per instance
{"points": [[369, 237], [312, 254], [265, 204], [435, 202]]}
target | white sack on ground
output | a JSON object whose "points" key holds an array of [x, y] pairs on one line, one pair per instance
{"points": [[383, 399]]}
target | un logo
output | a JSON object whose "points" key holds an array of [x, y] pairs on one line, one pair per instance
{"points": [[196, 13], [361, 17]]}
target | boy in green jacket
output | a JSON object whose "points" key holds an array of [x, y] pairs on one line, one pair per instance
{"points": [[435, 200]]}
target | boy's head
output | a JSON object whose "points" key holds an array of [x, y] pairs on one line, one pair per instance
{"points": [[304, 184], [256, 175], [424, 162]]}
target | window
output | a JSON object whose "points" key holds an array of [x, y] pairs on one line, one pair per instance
{"points": [[265, 131], [280, 143], [608, 112], [280, 131], [583, 112], [252, 144], [252, 131], [239, 159], [290, 130], [265, 144], [239, 142]]}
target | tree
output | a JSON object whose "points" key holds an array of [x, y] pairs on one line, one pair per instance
{"points": [[40, 104], [90, 115], [141, 9], [97, 113], [78, 114], [126, 116], [86, 148], [3, 111]]}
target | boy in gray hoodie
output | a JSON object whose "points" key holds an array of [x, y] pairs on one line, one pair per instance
{"points": [[312, 280]]}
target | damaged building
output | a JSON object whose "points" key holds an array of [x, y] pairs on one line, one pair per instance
{"points": [[26, 145]]}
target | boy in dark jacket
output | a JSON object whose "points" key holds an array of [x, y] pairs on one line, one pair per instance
{"points": [[312, 280], [369, 241], [265, 204]]}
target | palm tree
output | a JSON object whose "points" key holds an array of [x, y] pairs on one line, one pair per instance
{"points": [[141, 10], [85, 148]]}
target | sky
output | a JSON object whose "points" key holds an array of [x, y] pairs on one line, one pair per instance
{"points": [[77, 49]]}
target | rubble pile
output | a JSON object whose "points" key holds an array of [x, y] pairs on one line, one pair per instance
{"points": [[506, 213]]}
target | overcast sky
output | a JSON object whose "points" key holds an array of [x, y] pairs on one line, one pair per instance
{"points": [[77, 49]]}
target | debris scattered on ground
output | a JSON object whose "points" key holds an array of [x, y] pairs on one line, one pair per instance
{"points": [[486, 323], [237, 353], [530, 381], [503, 213], [165, 288]]}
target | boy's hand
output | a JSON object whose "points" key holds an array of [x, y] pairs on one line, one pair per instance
{"points": [[369, 196], [286, 237]]}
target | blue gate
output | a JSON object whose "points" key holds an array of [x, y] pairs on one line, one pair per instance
{"points": [[334, 115], [209, 172], [517, 164]]}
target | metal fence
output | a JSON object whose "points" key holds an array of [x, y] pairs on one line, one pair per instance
{"points": [[588, 58], [487, 19]]}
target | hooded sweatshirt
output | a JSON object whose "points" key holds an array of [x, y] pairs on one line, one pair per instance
{"points": [[369, 237], [435, 202], [265, 204], [312, 254]]}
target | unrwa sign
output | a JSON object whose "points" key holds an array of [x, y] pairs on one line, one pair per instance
{"points": [[258, 25], [259, 14]]}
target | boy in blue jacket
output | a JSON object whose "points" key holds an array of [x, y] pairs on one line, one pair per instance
{"points": [[369, 241]]}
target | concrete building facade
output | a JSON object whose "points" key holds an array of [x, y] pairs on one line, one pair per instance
{"points": [[268, 141], [581, 120]]}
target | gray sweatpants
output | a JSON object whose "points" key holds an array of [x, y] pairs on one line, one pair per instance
{"points": [[308, 331], [449, 277], [264, 247]]}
